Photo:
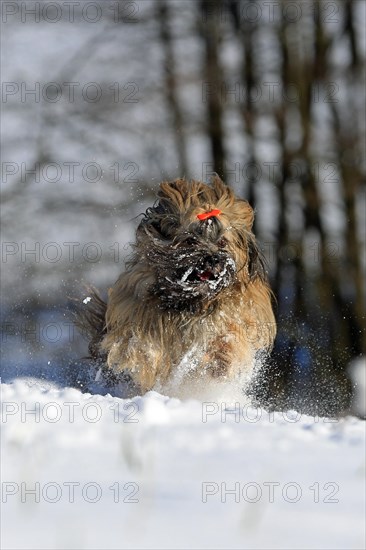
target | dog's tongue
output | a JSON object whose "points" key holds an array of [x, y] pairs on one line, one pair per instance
{"points": [[204, 275]]}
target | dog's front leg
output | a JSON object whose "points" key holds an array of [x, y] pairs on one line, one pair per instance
{"points": [[141, 359], [229, 354]]}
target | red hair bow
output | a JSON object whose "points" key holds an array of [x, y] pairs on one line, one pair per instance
{"points": [[210, 214]]}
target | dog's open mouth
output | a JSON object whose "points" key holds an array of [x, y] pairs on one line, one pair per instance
{"points": [[209, 271], [201, 278]]}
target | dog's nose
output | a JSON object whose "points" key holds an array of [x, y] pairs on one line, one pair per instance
{"points": [[210, 229]]}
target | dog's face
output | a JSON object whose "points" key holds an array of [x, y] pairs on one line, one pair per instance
{"points": [[197, 241]]}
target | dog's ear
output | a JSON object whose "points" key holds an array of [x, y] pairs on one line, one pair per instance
{"points": [[256, 260], [247, 213]]}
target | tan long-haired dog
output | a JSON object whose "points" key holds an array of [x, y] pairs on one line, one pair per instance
{"points": [[195, 290]]}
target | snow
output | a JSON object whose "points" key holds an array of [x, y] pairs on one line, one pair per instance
{"points": [[151, 472]]}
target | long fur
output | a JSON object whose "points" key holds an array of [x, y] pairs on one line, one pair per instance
{"points": [[147, 328], [89, 318]]}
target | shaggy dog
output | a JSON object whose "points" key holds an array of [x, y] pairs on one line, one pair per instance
{"points": [[194, 292]]}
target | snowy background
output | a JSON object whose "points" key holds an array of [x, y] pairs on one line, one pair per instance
{"points": [[100, 102]]}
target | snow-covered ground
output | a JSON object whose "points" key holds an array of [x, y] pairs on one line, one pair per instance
{"points": [[92, 471]]}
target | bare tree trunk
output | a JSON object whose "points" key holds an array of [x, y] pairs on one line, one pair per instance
{"points": [[247, 110], [350, 30], [352, 274], [327, 280], [213, 80], [282, 236], [170, 85]]}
